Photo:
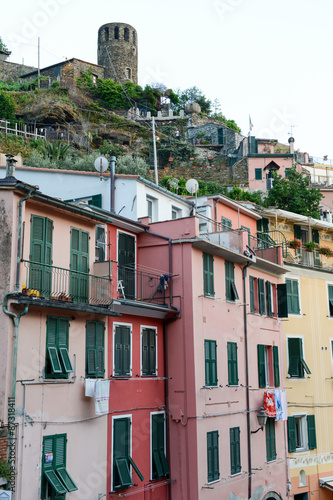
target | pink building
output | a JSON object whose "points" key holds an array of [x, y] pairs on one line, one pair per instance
{"points": [[222, 355]]}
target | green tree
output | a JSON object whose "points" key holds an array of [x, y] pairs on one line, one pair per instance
{"points": [[3, 46], [192, 94], [294, 194], [130, 165], [7, 107]]}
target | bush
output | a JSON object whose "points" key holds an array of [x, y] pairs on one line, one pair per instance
{"points": [[132, 166]]}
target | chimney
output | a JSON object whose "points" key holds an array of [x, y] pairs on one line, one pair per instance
{"points": [[291, 141], [10, 165]]}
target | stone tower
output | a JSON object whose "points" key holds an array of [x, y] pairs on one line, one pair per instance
{"points": [[121, 41]]}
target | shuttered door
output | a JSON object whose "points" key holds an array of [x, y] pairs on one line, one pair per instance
{"points": [[213, 472], [40, 253], [121, 445], [79, 283], [232, 363], [295, 368], [235, 458], [126, 263], [91, 358], [122, 355], [148, 351]]}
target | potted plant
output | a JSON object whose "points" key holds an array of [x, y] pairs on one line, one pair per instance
{"points": [[325, 251], [310, 246], [295, 244]]}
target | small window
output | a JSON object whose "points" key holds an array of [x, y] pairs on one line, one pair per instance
{"points": [[94, 77], [100, 243], [148, 352], [213, 470], [126, 35], [134, 37], [95, 349], [293, 296], [151, 208], [106, 34], [208, 274], [258, 174], [301, 433], [116, 33], [122, 351], [232, 363], [235, 456], [270, 440], [230, 286], [297, 366], [210, 363], [159, 462], [128, 73], [176, 213], [58, 363], [226, 224]]}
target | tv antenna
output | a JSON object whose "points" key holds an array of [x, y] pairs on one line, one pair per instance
{"points": [[192, 187], [101, 165]]}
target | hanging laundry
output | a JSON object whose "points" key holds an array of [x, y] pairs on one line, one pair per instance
{"points": [[278, 404], [163, 282], [284, 405], [102, 393], [89, 386], [269, 404]]}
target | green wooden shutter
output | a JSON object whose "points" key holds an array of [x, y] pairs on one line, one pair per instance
{"points": [[63, 329], [148, 351], [311, 432], [282, 300], [100, 336], [232, 363], [270, 440], [160, 465], [258, 174], [220, 135], [235, 459], [315, 236], [265, 225], [121, 447], [79, 284], [91, 358], [60, 450], [295, 368], [152, 351], [208, 274], [269, 298], [291, 434], [145, 352], [213, 472], [210, 363], [297, 232], [53, 365], [122, 348], [330, 299], [57, 485], [66, 479], [229, 278], [261, 287], [276, 366], [96, 200], [252, 296], [261, 365]]}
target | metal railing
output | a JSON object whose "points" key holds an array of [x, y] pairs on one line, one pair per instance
{"points": [[28, 131], [272, 238], [56, 283]]}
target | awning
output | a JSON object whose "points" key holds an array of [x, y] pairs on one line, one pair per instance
{"points": [[326, 482]]}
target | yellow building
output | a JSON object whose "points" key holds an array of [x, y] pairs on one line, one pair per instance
{"points": [[308, 333]]}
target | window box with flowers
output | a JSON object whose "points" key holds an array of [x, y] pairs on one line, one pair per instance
{"points": [[328, 252], [310, 246], [295, 244]]}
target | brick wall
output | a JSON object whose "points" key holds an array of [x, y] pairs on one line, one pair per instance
{"points": [[3, 444], [12, 71]]}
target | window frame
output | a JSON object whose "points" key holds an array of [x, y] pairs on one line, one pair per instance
{"points": [[291, 310], [153, 328], [268, 366], [209, 364], [329, 306], [163, 465], [212, 468], [226, 223], [258, 174], [208, 274], [130, 326], [177, 211], [302, 365], [231, 293]]}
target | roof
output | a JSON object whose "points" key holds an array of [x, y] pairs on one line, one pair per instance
{"points": [[296, 218], [62, 63]]}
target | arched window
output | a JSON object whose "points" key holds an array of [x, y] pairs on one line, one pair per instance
{"points": [[126, 34], [116, 33], [128, 73], [302, 478], [106, 34], [134, 37]]}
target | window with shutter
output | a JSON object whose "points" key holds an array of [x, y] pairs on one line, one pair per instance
{"points": [[276, 366], [122, 460], [210, 363], [252, 295], [122, 351], [330, 300], [232, 363], [58, 363], [148, 351], [235, 457], [159, 462], [311, 432], [262, 365], [261, 288], [95, 349], [40, 277], [301, 433], [282, 300], [208, 274], [79, 266], [258, 174], [291, 434], [226, 224], [56, 481], [269, 298], [230, 286], [213, 470], [270, 440], [297, 366], [292, 296]]}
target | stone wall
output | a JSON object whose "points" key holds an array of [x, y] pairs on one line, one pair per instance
{"points": [[236, 174], [12, 71]]}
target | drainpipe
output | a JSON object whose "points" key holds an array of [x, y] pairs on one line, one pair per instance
{"points": [[247, 384], [112, 181]]}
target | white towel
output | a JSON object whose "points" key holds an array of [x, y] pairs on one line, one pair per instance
{"points": [[278, 404], [102, 392], [89, 386], [284, 405]]}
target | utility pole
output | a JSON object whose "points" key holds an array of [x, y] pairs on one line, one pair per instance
{"points": [[38, 62], [155, 153]]}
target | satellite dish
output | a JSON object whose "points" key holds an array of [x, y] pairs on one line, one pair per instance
{"points": [[192, 186], [101, 164]]}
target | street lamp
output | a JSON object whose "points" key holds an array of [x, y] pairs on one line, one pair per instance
{"points": [[262, 419]]}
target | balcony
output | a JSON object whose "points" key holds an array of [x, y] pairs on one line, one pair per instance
{"points": [[110, 282]]}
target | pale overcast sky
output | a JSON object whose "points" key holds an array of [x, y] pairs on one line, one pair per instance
{"points": [[270, 59]]}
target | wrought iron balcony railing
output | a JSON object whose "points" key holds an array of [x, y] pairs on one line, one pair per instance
{"points": [[56, 283]]}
